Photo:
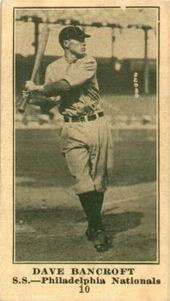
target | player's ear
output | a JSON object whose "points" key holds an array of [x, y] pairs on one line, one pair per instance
{"points": [[65, 43]]}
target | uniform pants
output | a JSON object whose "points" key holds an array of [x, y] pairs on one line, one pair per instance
{"points": [[88, 151]]}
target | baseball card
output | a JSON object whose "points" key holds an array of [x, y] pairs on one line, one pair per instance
{"points": [[84, 150]]}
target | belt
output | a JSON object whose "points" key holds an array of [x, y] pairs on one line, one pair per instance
{"points": [[82, 118]]}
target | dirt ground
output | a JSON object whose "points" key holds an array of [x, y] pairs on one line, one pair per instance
{"points": [[55, 232], [50, 224]]}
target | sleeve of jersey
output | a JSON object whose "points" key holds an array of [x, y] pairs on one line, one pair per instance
{"points": [[48, 74], [80, 72], [56, 88]]}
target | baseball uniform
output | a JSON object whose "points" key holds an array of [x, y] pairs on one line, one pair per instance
{"points": [[86, 134]]}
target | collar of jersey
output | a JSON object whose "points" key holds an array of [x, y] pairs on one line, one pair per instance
{"points": [[70, 61]]}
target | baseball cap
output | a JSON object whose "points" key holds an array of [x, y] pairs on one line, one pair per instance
{"points": [[72, 32]]}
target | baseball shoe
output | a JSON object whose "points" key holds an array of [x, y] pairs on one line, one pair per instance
{"points": [[101, 241]]}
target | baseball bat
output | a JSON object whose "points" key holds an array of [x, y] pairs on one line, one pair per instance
{"points": [[40, 52], [41, 49]]}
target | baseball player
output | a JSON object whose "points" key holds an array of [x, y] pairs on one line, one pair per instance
{"points": [[86, 135]]}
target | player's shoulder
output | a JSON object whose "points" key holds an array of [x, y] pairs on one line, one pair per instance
{"points": [[89, 58], [57, 63], [89, 61]]}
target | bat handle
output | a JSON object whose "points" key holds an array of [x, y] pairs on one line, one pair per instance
{"points": [[33, 76]]}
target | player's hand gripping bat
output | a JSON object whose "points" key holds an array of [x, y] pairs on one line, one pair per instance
{"points": [[40, 52]]}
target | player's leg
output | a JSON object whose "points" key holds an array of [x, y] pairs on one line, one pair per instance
{"points": [[95, 231], [99, 161], [78, 163], [89, 203]]}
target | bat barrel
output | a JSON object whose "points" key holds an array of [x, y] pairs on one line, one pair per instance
{"points": [[41, 49]]}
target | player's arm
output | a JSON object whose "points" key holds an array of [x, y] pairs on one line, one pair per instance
{"points": [[49, 88], [78, 74], [81, 72]]}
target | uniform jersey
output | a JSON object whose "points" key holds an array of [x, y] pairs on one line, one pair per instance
{"points": [[83, 97]]}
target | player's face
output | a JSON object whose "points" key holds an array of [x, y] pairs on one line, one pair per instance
{"points": [[76, 47]]}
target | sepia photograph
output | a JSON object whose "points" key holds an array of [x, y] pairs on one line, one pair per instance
{"points": [[86, 135]]}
